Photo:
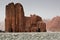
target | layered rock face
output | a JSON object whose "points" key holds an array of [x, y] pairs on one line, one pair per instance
{"points": [[10, 17], [15, 21], [19, 17], [14, 18], [54, 24]]}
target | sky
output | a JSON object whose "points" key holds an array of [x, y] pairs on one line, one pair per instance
{"points": [[47, 9]]}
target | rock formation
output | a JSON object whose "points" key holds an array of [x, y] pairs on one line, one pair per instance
{"points": [[15, 21], [19, 17], [54, 24]]}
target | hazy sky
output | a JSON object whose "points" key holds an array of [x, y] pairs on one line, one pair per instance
{"points": [[44, 8]]}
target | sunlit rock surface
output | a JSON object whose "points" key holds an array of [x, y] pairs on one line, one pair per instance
{"points": [[54, 24]]}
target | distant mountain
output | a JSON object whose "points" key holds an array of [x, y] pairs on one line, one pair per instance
{"points": [[54, 24]]}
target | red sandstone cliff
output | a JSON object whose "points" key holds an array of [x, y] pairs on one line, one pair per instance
{"points": [[15, 21], [54, 24]]}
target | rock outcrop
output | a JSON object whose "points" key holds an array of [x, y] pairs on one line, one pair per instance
{"points": [[54, 24], [15, 21]]}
